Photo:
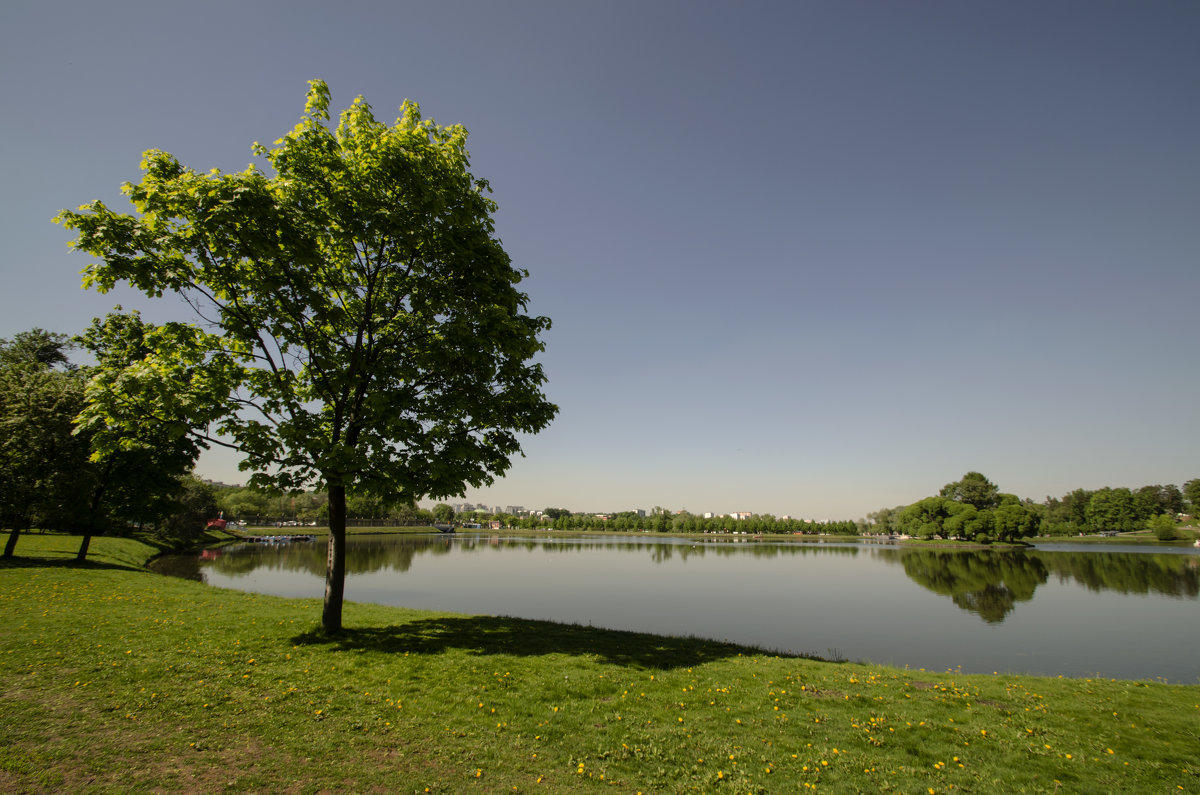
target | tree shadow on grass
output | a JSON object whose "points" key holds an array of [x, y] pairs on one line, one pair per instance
{"points": [[498, 635], [50, 562]]}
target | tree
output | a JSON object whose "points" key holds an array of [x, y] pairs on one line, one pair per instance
{"points": [[363, 328], [925, 518], [1162, 526], [443, 512], [1015, 519], [968, 522], [1171, 499], [51, 472], [1112, 509], [886, 520], [192, 508], [974, 489], [1191, 492], [244, 504], [133, 477], [37, 348], [1147, 501], [39, 450]]}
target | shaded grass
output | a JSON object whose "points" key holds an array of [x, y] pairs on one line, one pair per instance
{"points": [[114, 679]]}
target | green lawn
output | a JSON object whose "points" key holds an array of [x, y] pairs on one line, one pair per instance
{"points": [[116, 679]]}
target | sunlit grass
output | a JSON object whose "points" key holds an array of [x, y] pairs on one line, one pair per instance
{"points": [[115, 679]]}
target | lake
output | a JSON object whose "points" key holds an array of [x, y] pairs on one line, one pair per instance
{"points": [[1109, 611]]}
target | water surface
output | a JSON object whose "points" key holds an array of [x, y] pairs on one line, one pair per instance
{"points": [[1106, 611]]}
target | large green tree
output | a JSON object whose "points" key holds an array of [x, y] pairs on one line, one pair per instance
{"points": [[40, 455], [1112, 509], [362, 327], [139, 475], [973, 489]]}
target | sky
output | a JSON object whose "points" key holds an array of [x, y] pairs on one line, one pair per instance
{"points": [[803, 258]]}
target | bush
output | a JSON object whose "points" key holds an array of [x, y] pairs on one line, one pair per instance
{"points": [[1162, 526]]}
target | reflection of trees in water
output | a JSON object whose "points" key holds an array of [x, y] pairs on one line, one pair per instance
{"points": [[240, 560], [186, 567], [1137, 573], [990, 583], [986, 583], [397, 552]]}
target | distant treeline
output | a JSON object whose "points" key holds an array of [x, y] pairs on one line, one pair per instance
{"points": [[975, 509], [258, 507], [684, 522]]}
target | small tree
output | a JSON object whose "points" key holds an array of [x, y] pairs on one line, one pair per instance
{"points": [[363, 329], [1163, 527]]}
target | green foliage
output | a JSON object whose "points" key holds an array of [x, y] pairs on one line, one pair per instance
{"points": [[973, 489], [1112, 509], [886, 520], [367, 336], [1066, 516], [1191, 492], [190, 512], [926, 518], [1163, 527], [40, 456], [443, 512], [37, 348], [1016, 520], [55, 473], [972, 509]]}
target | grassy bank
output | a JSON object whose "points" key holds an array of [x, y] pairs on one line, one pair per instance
{"points": [[117, 679]]}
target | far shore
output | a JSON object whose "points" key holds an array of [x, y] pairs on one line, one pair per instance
{"points": [[1141, 538]]}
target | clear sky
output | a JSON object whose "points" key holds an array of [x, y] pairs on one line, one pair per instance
{"points": [[807, 258]]}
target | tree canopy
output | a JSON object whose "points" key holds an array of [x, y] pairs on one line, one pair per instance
{"points": [[52, 474], [356, 323], [971, 509]]}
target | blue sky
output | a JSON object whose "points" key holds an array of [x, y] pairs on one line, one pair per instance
{"points": [[807, 258]]}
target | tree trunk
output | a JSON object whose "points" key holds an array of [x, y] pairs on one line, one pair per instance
{"points": [[94, 507], [335, 562], [11, 546]]}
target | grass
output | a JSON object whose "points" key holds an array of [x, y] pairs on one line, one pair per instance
{"points": [[115, 679]]}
